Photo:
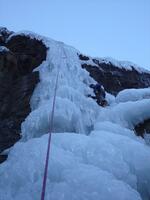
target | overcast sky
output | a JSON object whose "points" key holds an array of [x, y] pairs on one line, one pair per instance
{"points": [[114, 28]]}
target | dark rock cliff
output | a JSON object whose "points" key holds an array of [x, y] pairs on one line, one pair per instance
{"points": [[113, 78], [18, 57]]}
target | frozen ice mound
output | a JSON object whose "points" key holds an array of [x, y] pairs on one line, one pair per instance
{"points": [[133, 95], [103, 165], [127, 114]]}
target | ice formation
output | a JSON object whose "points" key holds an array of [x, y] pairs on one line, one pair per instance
{"points": [[133, 95], [94, 153]]}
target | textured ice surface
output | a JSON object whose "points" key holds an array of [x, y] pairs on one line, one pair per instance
{"points": [[100, 166], [133, 95], [127, 114]]}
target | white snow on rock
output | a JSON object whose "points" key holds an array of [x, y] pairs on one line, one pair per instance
{"points": [[120, 64], [94, 151], [4, 49], [133, 95]]}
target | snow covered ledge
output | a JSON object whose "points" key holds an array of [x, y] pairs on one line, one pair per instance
{"points": [[127, 114], [136, 95]]}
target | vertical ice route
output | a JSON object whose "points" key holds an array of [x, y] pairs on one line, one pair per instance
{"points": [[111, 163]]}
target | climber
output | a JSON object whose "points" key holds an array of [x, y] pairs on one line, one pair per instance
{"points": [[99, 94]]}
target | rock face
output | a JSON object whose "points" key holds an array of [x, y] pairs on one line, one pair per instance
{"points": [[29, 53], [143, 127], [113, 78], [4, 34], [18, 57]]}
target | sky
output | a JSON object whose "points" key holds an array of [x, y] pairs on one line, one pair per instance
{"points": [[102, 28]]}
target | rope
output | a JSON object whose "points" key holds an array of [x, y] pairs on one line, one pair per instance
{"points": [[49, 140], [64, 56]]}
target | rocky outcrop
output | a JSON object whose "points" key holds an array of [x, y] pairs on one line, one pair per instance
{"points": [[142, 128], [4, 34], [29, 52], [114, 78], [18, 57]]}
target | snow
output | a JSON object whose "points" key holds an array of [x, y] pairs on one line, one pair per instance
{"points": [[127, 65], [4, 49], [95, 153], [133, 95], [110, 98], [127, 114], [81, 167], [147, 138], [120, 64]]}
